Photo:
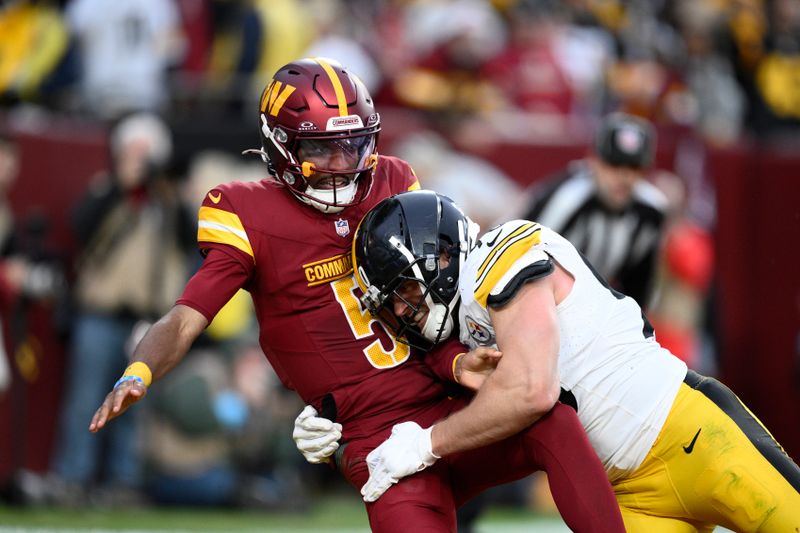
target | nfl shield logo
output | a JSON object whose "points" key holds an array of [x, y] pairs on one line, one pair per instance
{"points": [[342, 227]]}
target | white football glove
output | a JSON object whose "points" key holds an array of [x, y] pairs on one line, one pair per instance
{"points": [[316, 438], [406, 451]]}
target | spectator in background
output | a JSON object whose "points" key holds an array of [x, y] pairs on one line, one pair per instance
{"points": [[717, 102], [215, 432], [233, 46], [33, 41], [136, 235], [606, 209], [125, 49], [451, 42], [552, 72], [11, 275], [774, 100], [338, 32], [28, 270]]}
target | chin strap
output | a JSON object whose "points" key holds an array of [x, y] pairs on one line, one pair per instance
{"points": [[439, 323]]}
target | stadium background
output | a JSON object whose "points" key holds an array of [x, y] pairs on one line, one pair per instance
{"points": [[457, 69]]}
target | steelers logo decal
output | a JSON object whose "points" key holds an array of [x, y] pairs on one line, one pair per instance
{"points": [[477, 332]]}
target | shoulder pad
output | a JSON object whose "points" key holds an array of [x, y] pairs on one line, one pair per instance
{"points": [[505, 246], [531, 272]]}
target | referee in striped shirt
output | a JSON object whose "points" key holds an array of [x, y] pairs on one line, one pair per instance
{"points": [[606, 209]]}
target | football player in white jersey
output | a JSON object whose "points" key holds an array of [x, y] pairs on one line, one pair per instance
{"points": [[681, 450]]}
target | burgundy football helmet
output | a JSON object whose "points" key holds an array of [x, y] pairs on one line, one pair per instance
{"points": [[319, 133]]}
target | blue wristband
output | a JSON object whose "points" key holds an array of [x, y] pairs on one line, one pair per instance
{"points": [[124, 379]]}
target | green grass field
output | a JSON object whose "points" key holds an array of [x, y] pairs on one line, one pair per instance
{"points": [[334, 514]]}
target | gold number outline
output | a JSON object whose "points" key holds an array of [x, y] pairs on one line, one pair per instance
{"points": [[360, 322]]}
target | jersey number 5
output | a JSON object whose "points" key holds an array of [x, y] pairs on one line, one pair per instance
{"points": [[361, 321]]}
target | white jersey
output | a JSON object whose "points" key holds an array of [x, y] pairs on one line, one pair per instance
{"points": [[623, 380]]}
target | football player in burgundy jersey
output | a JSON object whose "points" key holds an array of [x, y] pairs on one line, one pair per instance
{"points": [[286, 240]]}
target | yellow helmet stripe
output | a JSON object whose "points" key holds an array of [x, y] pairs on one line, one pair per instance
{"points": [[337, 85]]}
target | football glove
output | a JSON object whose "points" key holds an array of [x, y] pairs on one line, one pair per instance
{"points": [[316, 437], [406, 451]]}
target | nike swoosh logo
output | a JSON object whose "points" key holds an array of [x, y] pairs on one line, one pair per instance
{"points": [[688, 449], [491, 243], [216, 198]]}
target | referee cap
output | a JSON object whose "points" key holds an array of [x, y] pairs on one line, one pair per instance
{"points": [[625, 141]]}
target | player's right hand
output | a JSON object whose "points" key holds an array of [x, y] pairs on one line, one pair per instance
{"points": [[474, 367], [117, 402], [316, 437]]}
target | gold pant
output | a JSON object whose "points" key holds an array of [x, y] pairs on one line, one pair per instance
{"points": [[712, 463]]}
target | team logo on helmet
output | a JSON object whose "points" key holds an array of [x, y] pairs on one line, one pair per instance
{"points": [[342, 227], [630, 140]]}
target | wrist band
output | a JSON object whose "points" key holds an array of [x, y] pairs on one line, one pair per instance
{"points": [[455, 360], [139, 370], [125, 379]]}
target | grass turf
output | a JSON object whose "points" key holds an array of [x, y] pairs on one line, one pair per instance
{"points": [[332, 514]]}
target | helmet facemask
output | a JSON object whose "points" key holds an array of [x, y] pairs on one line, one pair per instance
{"points": [[327, 171], [407, 254], [423, 289]]}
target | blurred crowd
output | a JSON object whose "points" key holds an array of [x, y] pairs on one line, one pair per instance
{"points": [[545, 67], [467, 75]]}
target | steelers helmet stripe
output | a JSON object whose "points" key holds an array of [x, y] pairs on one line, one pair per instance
{"points": [[216, 225], [337, 85], [505, 254]]}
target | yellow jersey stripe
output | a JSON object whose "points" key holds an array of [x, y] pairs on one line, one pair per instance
{"points": [[216, 225], [414, 186], [499, 246], [511, 252], [337, 85]]}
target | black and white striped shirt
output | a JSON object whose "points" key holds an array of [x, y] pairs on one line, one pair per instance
{"points": [[622, 245]]}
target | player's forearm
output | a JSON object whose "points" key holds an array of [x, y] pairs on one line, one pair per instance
{"points": [[501, 408], [168, 340]]}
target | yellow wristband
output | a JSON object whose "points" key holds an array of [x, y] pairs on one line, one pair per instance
{"points": [[455, 360], [140, 370]]}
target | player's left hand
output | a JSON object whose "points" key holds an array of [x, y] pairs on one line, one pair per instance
{"points": [[406, 451], [316, 437], [474, 367]]}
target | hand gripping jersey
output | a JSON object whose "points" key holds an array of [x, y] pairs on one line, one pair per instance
{"points": [[623, 381], [313, 329]]}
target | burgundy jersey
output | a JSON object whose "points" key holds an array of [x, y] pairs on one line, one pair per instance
{"points": [[297, 267]]}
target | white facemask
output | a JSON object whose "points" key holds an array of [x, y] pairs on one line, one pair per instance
{"points": [[344, 195]]}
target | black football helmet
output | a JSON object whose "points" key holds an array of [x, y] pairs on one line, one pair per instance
{"points": [[315, 106], [420, 237]]}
